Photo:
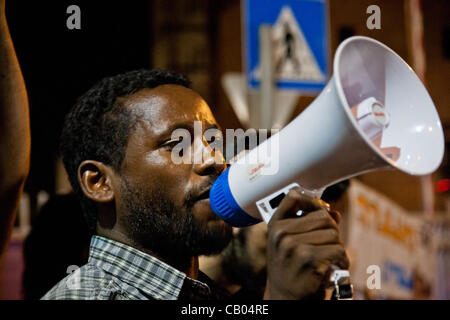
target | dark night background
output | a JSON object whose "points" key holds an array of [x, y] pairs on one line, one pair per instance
{"points": [[60, 64]]}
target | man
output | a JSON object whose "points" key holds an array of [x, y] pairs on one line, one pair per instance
{"points": [[14, 133], [152, 218]]}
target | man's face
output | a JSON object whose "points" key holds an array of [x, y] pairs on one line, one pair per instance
{"points": [[163, 206]]}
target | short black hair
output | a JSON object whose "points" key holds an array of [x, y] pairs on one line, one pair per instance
{"points": [[98, 126]]}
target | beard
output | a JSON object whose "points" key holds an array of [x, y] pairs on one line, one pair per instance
{"points": [[155, 223]]}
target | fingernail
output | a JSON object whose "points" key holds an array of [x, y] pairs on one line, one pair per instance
{"points": [[324, 204]]}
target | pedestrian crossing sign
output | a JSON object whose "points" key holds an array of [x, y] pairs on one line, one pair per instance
{"points": [[300, 42]]}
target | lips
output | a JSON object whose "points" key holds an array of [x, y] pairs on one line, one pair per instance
{"points": [[203, 206], [204, 195]]}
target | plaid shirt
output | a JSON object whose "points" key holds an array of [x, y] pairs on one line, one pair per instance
{"points": [[116, 271]]}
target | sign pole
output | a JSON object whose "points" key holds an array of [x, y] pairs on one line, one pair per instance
{"points": [[267, 82], [414, 19]]}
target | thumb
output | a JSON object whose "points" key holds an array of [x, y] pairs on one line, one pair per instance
{"points": [[294, 201]]}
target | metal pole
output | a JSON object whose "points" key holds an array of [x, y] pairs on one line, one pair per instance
{"points": [[415, 35], [267, 81]]}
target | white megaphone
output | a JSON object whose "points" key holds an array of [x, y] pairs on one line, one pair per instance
{"points": [[374, 113]]}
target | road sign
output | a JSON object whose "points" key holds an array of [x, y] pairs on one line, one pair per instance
{"points": [[300, 42]]}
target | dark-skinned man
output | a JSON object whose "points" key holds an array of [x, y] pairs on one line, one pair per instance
{"points": [[14, 133], [150, 217]]}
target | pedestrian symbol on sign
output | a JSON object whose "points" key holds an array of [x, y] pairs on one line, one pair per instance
{"points": [[289, 54], [293, 58]]}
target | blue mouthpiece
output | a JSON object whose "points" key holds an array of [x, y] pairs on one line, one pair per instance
{"points": [[225, 206]]}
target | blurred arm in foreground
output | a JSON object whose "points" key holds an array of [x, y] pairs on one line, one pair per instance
{"points": [[14, 132]]}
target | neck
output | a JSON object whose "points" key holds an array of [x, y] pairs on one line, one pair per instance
{"points": [[192, 272], [187, 265]]}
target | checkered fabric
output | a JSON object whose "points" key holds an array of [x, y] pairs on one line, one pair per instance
{"points": [[116, 271]]}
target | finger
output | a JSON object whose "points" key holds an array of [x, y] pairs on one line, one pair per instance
{"points": [[333, 213], [316, 220], [317, 237], [283, 240], [336, 215], [292, 203], [334, 253]]}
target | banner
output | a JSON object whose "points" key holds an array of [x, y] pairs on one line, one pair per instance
{"points": [[394, 253]]}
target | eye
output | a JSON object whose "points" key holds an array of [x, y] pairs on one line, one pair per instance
{"points": [[171, 144]]}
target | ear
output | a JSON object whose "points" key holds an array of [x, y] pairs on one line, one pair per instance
{"points": [[95, 180]]}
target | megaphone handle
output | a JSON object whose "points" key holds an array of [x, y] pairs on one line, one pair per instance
{"points": [[340, 284], [268, 205], [340, 279]]}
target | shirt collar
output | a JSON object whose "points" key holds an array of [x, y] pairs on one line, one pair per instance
{"points": [[136, 268]]}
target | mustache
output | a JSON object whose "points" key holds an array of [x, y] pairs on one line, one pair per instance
{"points": [[197, 191]]}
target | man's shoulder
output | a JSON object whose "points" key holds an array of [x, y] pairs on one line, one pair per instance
{"points": [[86, 283]]}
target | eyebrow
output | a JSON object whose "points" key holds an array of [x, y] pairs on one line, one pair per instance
{"points": [[188, 125]]}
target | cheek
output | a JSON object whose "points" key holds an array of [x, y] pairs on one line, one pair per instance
{"points": [[157, 170]]}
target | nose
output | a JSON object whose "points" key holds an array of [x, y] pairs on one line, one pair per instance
{"points": [[212, 161]]}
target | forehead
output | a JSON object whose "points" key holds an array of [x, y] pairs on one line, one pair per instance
{"points": [[166, 106]]}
